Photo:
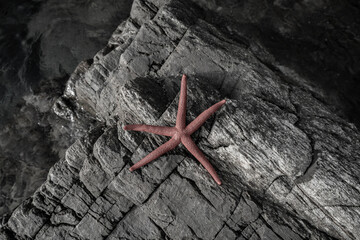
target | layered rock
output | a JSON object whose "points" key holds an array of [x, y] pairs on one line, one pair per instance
{"points": [[288, 164]]}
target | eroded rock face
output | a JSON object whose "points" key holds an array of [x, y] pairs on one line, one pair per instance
{"points": [[288, 164]]}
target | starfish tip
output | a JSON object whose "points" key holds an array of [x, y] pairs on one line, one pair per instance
{"points": [[131, 169]]}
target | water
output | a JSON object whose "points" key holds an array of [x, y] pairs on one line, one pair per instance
{"points": [[41, 42]]}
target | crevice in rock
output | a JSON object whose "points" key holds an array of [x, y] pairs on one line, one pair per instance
{"points": [[159, 184], [310, 170], [349, 234], [116, 224], [270, 227], [174, 49], [272, 182], [197, 189], [193, 232], [274, 104], [230, 215], [162, 232]]}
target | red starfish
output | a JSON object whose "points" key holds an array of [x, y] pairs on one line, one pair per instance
{"points": [[180, 134]]}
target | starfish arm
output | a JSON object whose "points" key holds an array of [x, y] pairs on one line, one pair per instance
{"points": [[169, 145], [181, 114], [205, 115], [194, 150], [159, 130]]}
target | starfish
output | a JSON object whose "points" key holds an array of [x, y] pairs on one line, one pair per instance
{"points": [[179, 134]]}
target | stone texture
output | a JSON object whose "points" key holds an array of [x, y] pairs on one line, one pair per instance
{"points": [[288, 164]]}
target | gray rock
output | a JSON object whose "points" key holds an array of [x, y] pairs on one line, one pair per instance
{"points": [[90, 228], [136, 225], [109, 152], [64, 216], [226, 233], [176, 202], [77, 199], [55, 232], [288, 164], [26, 221], [94, 177]]}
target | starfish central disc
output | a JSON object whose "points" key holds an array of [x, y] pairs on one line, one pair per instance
{"points": [[179, 134]]}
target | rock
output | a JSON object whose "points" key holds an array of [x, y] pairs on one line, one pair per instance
{"points": [[77, 199], [64, 216], [288, 163], [90, 228], [177, 204], [55, 232], [26, 220], [136, 225], [109, 151]]}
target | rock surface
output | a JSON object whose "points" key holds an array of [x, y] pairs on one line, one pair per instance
{"points": [[288, 164]]}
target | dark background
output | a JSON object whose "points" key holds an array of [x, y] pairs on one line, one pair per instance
{"points": [[41, 42]]}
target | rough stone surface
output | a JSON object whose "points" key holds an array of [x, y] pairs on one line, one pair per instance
{"points": [[288, 164]]}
